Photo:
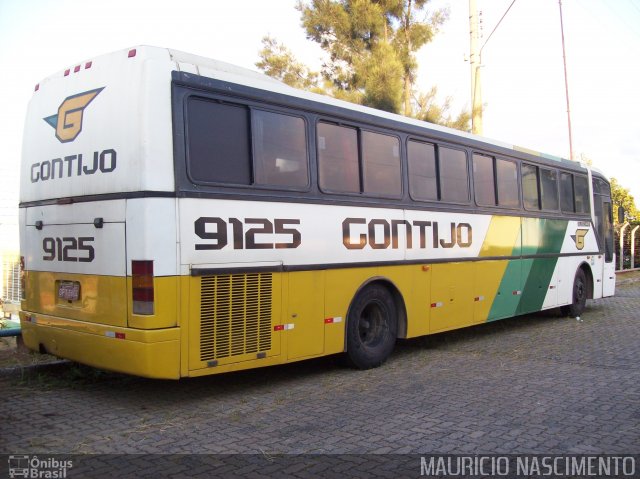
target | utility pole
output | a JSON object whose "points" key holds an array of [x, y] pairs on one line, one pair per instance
{"points": [[566, 82], [475, 59]]}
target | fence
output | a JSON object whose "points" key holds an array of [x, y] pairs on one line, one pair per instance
{"points": [[627, 246], [10, 289]]}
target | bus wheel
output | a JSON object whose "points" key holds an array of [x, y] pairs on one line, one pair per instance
{"points": [[579, 295], [371, 327]]}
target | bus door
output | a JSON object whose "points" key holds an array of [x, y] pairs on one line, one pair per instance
{"points": [[604, 226]]}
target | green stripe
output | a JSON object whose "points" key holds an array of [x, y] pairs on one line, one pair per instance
{"points": [[530, 276]]}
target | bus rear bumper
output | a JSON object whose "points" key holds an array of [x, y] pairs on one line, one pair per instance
{"points": [[147, 353]]}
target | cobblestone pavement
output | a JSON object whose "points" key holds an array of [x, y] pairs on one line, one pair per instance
{"points": [[534, 384]]}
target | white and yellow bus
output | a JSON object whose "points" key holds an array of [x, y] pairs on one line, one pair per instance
{"points": [[181, 216]]}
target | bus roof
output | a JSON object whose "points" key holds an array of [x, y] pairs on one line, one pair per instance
{"points": [[235, 74], [215, 69]]}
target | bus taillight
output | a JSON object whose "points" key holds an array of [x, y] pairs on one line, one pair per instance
{"points": [[142, 282]]}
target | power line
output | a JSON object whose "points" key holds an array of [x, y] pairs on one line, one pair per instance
{"points": [[496, 27]]}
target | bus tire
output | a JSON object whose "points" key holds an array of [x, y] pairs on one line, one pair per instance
{"points": [[578, 295], [371, 327]]}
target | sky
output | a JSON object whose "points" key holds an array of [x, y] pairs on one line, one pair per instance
{"points": [[523, 89]]}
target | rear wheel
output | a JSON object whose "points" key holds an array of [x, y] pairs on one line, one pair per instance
{"points": [[579, 295], [371, 327]]}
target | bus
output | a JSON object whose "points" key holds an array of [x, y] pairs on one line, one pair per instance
{"points": [[181, 216]]}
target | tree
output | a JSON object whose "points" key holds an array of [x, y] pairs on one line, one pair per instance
{"points": [[278, 62], [428, 109], [410, 35], [370, 47], [362, 65], [620, 196]]}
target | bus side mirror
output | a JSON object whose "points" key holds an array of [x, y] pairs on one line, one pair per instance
{"points": [[620, 214]]}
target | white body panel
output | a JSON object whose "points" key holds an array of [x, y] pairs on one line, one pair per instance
{"points": [[321, 229], [128, 122]]}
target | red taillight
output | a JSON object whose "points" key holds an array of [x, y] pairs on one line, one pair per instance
{"points": [[142, 282]]}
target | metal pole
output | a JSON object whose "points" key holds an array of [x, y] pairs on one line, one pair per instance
{"points": [[474, 56], [566, 82], [633, 246]]}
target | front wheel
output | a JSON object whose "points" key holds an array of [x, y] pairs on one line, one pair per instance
{"points": [[579, 296], [371, 327]]}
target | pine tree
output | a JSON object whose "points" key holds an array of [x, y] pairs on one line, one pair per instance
{"points": [[370, 46]]}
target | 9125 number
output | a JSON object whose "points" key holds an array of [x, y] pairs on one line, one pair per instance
{"points": [[68, 249]]}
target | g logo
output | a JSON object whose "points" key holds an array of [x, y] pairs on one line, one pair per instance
{"points": [[579, 238], [68, 121]]}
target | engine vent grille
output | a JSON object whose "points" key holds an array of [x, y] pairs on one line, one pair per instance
{"points": [[235, 315]]}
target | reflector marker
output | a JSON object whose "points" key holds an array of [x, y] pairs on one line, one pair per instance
{"points": [[282, 327], [113, 334], [88, 65], [76, 69], [436, 305], [333, 320], [479, 298], [517, 292]]}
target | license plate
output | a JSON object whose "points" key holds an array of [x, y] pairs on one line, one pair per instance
{"points": [[69, 290]]}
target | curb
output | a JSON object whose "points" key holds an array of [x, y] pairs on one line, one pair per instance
{"points": [[33, 367]]}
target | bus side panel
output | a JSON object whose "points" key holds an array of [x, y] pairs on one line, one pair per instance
{"points": [[341, 287], [306, 313], [609, 278]]}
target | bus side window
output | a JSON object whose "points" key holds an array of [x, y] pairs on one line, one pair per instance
{"points": [[381, 164], [540, 188], [454, 175], [423, 179], [549, 189], [566, 193], [218, 143], [530, 187], [280, 146], [581, 185], [484, 180], [507, 183], [338, 158]]}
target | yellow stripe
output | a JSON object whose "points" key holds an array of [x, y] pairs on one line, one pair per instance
{"points": [[502, 237]]}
